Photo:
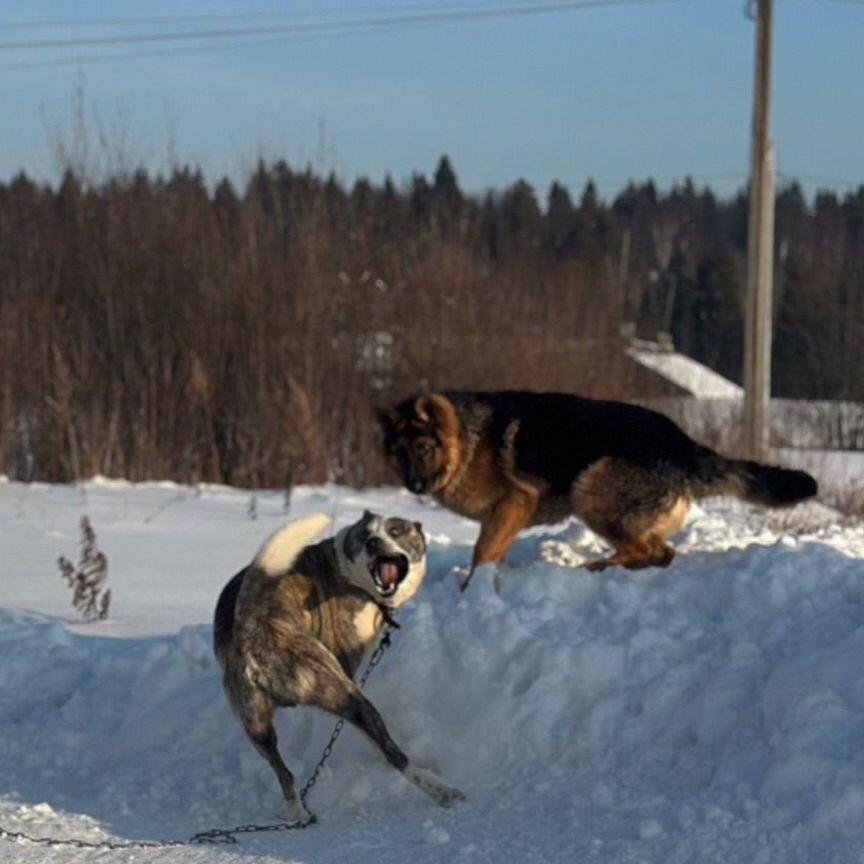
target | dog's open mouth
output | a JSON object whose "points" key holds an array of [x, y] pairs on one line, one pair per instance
{"points": [[387, 572]]}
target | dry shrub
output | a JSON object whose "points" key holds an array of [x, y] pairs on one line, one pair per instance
{"points": [[158, 329], [152, 326], [87, 578]]}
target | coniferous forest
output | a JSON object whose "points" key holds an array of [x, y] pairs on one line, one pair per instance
{"points": [[163, 326]]}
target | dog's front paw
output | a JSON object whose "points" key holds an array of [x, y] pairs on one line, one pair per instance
{"points": [[461, 576], [597, 566], [444, 796], [487, 571]]}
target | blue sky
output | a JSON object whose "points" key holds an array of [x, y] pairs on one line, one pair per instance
{"points": [[657, 90]]}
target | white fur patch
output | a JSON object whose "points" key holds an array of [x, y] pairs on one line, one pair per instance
{"points": [[409, 585], [281, 549], [295, 811]]}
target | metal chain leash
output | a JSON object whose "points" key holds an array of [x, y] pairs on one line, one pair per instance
{"points": [[6, 834], [227, 835], [374, 660]]}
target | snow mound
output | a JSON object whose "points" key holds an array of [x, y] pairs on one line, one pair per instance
{"points": [[708, 712]]}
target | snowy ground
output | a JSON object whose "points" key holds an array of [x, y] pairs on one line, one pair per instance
{"points": [[711, 712]]}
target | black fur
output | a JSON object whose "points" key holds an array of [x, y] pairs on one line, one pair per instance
{"points": [[560, 434], [223, 618], [761, 484]]}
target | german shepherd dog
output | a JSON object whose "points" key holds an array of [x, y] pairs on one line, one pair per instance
{"points": [[513, 459], [293, 627]]}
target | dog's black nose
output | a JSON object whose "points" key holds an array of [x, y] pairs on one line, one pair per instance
{"points": [[374, 546]]}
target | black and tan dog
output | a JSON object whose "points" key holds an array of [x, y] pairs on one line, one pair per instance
{"points": [[293, 627], [513, 459]]}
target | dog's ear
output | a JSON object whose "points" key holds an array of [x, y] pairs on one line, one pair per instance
{"points": [[387, 418], [424, 409], [419, 527], [437, 411]]}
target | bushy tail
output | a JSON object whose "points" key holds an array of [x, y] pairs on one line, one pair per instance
{"points": [[761, 484], [280, 550]]}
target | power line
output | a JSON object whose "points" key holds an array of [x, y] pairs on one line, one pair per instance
{"points": [[511, 10], [139, 21], [715, 177], [827, 181], [574, 188], [700, 180], [235, 44]]}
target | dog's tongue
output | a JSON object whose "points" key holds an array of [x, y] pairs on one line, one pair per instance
{"points": [[388, 573]]}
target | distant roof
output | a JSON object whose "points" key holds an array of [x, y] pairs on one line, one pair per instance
{"points": [[686, 373]]}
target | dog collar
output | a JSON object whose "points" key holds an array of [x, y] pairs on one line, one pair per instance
{"points": [[387, 614]]}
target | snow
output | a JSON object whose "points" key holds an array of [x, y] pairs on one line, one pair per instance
{"points": [[688, 374], [710, 712]]}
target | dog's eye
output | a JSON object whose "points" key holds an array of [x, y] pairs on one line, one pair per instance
{"points": [[395, 530], [424, 448]]}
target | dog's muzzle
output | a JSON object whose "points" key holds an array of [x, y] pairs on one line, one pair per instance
{"points": [[422, 484], [387, 571]]}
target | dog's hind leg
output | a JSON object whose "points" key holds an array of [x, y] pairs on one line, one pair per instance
{"points": [[326, 686], [259, 727], [634, 508], [635, 553], [358, 710]]}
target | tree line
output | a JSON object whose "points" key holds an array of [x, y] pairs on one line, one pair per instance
{"points": [[159, 326]]}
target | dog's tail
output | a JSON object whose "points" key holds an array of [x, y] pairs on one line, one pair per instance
{"points": [[769, 485], [282, 548], [223, 617]]}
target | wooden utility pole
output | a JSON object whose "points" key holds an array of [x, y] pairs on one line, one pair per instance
{"points": [[760, 251]]}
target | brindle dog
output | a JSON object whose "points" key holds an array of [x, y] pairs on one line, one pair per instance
{"points": [[293, 627]]}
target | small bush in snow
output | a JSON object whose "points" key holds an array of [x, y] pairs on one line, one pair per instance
{"points": [[87, 579]]}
